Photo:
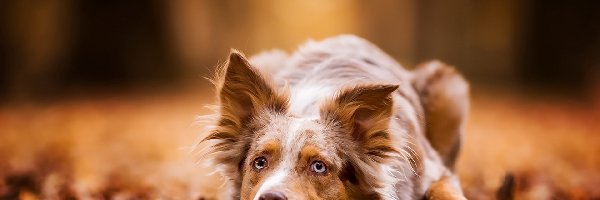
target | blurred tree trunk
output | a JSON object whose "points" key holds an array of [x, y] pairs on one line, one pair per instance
{"points": [[118, 44], [480, 38], [562, 49]]}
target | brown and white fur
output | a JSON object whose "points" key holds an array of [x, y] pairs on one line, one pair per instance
{"points": [[341, 104]]}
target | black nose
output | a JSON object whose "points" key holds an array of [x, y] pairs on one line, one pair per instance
{"points": [[272, 196]]}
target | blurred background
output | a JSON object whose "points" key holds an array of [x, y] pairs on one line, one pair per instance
{"points": [[98, 99]]}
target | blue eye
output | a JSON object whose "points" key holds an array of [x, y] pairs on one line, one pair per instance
{"points": [[318, 167], [260, 163]]}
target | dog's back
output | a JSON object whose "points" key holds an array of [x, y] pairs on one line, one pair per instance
{"points": [[320, 69]]}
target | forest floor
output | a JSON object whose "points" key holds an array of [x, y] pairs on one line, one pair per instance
{"points": [[136, 146]]}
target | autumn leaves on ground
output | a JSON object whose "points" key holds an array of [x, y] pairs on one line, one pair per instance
{"points": [[140, 147]]}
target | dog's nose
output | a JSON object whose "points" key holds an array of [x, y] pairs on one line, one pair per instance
{"points": [[272, 196]]}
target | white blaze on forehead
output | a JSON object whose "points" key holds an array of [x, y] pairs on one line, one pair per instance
{"points": [[291, 144], [305, 99]]}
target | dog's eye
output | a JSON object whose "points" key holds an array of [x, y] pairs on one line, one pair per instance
{"points": [[318, 167], [260, 163]]}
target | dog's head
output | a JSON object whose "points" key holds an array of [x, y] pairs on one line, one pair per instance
{"points": [[269, 153]]}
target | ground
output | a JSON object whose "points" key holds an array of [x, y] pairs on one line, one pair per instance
{"points": [[139, 146]]}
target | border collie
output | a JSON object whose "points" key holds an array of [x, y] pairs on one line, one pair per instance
{"points": [[337, 119]]}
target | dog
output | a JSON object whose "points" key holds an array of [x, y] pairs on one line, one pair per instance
{"points": [[337, 119]]}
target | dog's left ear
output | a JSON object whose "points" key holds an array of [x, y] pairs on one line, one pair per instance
{"points": [[444, 94], [365, 112]]}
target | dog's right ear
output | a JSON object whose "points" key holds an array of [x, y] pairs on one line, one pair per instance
{"points": [[242, 93]]}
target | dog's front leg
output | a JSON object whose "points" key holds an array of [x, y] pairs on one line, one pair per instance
{"points": [[447, 188]]}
